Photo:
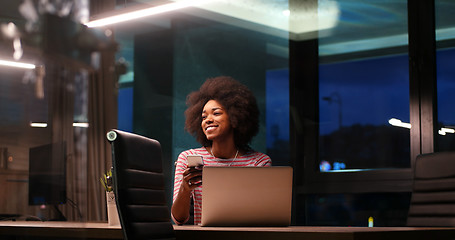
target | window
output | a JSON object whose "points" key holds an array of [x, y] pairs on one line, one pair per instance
{"points": [[445, 55], [359, 100], [357, 135], [364, 89]]}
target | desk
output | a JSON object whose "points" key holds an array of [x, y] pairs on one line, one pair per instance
{"points": [[314, 233], [73, 230], [58, 230]]}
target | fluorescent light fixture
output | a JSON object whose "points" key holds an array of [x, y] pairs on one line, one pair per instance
{"points": [[44, 125], [144, 12], [38, 125], [17, 64], [398, 123], [82, 125]]}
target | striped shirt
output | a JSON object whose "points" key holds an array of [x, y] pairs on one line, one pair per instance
{"points": [[251, 158]]}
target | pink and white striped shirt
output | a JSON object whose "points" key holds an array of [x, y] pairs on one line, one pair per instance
{"points": [[251, 158]]}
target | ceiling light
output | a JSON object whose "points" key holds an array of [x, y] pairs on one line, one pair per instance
{"points": [[44, 125], [38, 125], [82, 125], [17, 64], [144, 12]]}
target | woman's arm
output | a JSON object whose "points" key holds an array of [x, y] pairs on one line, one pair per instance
{"points": [[186, 179], [181, 207]]}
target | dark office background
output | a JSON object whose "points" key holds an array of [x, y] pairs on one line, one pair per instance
{"points": [[327, 96]]}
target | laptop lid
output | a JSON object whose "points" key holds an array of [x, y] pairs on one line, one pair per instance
{"points": [[246, 196]]}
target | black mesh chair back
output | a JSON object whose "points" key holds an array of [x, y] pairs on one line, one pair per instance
{"points": [[139, 187], [433, 194]]}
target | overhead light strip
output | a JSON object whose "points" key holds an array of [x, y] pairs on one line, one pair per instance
{"points": [[17, 64], [44, 125], [144, 13], [82, 125], [38, 124]]}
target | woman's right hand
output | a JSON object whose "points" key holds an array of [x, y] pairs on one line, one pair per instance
{"points": [[192, 178]]}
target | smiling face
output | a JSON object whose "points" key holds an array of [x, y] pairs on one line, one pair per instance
{"points": [[215, 121]]}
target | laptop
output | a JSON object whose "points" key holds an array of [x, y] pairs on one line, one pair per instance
{"points": [[246, 196]]}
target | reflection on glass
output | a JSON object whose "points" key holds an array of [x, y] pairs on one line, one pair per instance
{"points": [[387, 209], [363, 83], [445, 56], [277, 115], [170, 55]]}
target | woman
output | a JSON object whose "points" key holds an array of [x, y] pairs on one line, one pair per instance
{"points": [[224, 117]]}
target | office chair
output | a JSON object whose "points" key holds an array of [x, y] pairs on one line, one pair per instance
{"points": [[139, 187], [433, 193]]}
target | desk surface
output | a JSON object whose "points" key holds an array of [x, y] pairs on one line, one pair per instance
{"points": [[309, 233], [104, 231], [75, 230]]}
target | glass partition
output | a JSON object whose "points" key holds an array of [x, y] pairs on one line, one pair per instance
{"points": [[362, 106]]}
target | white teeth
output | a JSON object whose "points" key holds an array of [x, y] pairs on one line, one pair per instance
{"points": [[208, 128]]}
